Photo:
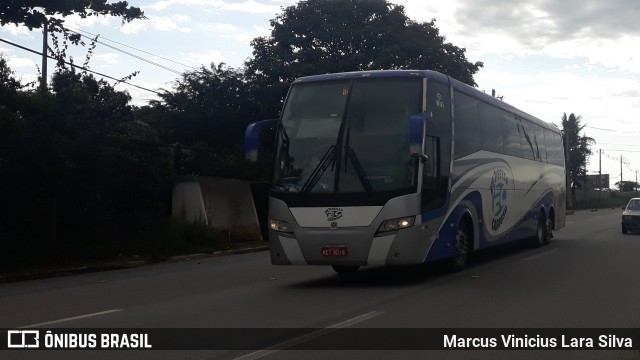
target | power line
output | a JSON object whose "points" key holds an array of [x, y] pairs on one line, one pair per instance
{"points": [[621, 150], [133, 55], [130, 47], [77, 66], [610, 130], [591, 127], [618, 144], [141, 58]]}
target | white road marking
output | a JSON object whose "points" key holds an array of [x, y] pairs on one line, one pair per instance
{"points": [[355, 320], [70, 319], [304, 338]]}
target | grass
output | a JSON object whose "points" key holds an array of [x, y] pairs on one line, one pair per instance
{"points": [[612, 202], [159, 239]]}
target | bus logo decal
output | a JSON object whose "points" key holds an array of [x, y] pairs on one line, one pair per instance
{"points": [[439, 101], [499, 194], [333, 213]]}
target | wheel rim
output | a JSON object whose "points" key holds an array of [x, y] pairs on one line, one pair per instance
{"points": [[462, 247]]}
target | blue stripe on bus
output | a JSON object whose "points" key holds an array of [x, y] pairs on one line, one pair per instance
{"points": [[444, 246]]}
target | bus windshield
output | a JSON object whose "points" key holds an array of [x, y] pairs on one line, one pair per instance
{"points": [[348, 136]]}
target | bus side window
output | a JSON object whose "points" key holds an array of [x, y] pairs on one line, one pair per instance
{"points": [[432, 183]]}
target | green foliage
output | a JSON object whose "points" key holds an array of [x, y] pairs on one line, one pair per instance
{"points": [[209, 108], [79, 171], [85, 174], [8, 82], [34, 13], [9, 97], [207, 114], [325, 36], [579, 148]]}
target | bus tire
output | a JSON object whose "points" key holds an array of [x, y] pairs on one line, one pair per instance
{"points": [[542, 232], [345, 270], [548, 234], [462, 248], [625, 230]]}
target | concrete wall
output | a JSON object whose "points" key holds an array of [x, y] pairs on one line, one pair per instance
{"points": [[187, 203], [225, 204]]}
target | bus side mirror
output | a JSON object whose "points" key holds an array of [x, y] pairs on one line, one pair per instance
{"points": [[260, 135], [417, 130]]}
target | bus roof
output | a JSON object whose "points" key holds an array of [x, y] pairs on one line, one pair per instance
{"points": [[375, 73], [430, 74]]}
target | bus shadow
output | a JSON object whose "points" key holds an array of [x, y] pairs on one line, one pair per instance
{"points": [[411, 275]]}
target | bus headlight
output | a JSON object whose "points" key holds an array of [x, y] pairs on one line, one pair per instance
{"points": [[397, 224], [279, 225]]}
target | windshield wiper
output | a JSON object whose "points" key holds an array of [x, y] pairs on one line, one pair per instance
{"points": [[351, 154], [284, 148], [327, 159]]}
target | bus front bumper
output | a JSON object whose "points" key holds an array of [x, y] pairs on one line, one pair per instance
{"points": [[354, 246]]}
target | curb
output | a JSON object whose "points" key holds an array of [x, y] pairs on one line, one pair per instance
{"points": [[109, 265]]}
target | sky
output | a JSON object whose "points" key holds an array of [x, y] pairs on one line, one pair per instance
{"points": [[545, 57]]}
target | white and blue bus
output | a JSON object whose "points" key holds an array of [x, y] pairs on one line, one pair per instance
{"points": [[404, 167]]}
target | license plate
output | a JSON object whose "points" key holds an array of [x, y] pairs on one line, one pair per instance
{"points": [[335, 251]]}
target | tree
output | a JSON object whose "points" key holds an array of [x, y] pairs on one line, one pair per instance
{"points": [[211, 106], [8, 82], [325, 36], [9, 87], [34, 13], [206, 113], [579, 149], [77, 165]]}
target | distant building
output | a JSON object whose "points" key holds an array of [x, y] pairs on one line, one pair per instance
{"points": [[598, 182]]}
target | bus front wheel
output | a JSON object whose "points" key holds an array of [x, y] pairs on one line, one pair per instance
{"points": [[462, 248]]}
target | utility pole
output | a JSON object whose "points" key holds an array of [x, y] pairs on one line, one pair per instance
{"points": [[53, 201], [45, 36], [600, 169], [621, 173], [567, 167]]}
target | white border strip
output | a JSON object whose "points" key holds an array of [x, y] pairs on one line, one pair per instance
{"points": [[313, 335], [70, 318]]}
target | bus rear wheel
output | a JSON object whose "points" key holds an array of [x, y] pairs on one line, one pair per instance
{"points": [[542, 232], [345, 269]]}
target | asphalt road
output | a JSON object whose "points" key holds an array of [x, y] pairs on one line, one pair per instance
{"points": [[587, 277]]}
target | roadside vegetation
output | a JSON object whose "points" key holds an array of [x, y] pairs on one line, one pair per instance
{"points": [[616, 200], [87, 175]]}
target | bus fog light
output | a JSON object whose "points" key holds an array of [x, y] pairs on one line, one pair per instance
{"points": [[397, 224], [279, 225]]}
